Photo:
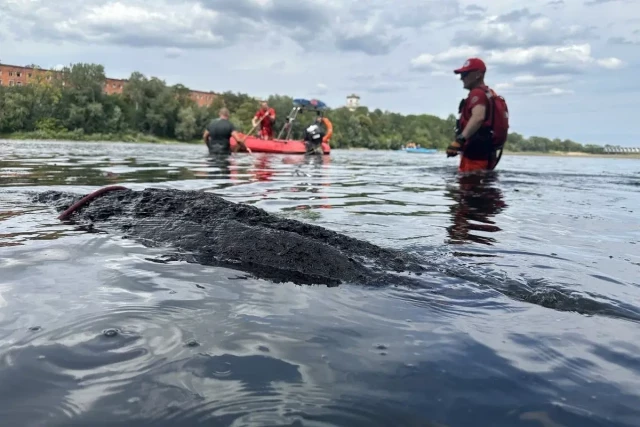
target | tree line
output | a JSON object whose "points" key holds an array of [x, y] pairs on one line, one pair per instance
{"points": [[71, 104]]}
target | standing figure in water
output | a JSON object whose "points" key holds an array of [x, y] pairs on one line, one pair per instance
{"points": [[483, 121], [315, 135], [217, 135]]}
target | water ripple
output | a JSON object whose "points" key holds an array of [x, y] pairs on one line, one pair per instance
{"points": [[527, 314]]}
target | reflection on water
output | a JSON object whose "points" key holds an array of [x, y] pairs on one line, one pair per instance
{"points": [[477, 202], [96, 330]]}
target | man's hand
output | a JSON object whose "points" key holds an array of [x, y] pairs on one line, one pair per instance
{"points": [[453, 149], [245, 146]]}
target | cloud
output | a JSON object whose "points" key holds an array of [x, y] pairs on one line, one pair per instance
{"points": [[476, 8], [185, 25], [532, 80], [173, 52], [533, 85], [571, 58], [518, 15], [520, 41], [427, 61], [610, 63], [557, 91], [383, 81], [597, 2], [539, 59], [623, 41], [375, 27], [263, 64], [386, 87], [555, 3], [507, 89], [521, 28]]}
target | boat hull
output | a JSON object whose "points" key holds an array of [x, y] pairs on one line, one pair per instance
{"points": [[284, 146], [421, 150]]}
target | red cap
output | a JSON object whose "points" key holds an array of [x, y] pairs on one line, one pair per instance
{"points": [[472, 64]]}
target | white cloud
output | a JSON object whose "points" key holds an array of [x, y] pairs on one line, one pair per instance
{"points": [[531, 79], [173, 25], [537, 59], [558, 91], [611, 63], [532, 85], [515, 87], [458, 53], [577, 55], [503, 86]]}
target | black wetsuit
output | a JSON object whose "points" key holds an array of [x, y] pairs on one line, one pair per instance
{"points": [[220, 131], [313, 138]]}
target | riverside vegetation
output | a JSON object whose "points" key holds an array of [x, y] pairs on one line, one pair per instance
{"points": [[71, 105]]}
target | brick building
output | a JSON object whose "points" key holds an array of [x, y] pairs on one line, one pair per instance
{"points": [[203, 99], [15, 75]]}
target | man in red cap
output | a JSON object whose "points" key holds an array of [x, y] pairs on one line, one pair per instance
{"points": [[474, 136]]}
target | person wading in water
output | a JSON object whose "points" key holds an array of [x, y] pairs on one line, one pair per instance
{"points": [[218, 134], [315, 135], [483, 121]]}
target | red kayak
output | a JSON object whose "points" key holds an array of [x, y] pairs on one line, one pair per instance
{"points": [[284, 146]]}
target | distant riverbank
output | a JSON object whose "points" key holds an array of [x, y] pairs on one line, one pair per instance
{"points": [[94, 137]]}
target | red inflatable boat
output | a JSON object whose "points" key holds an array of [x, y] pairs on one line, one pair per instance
{"points": [[284, 146]]}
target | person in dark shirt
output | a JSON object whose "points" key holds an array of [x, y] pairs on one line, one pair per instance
{"points": [[218, 133]]}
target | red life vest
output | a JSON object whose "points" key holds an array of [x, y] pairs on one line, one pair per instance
{"points": [[496, 119], [499, 121]]}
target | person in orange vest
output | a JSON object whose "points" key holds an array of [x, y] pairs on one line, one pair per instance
{"points": [[267, 117], [483, 121], [314, 135]]}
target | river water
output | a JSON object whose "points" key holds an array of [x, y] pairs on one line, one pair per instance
{"points": [[529, 315]]}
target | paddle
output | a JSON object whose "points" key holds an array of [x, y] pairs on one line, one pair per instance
{"points": [[251, 131], [254, 127], [248, 134]]}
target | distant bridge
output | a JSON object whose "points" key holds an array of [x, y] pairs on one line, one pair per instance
{"points": [[610, 149]]}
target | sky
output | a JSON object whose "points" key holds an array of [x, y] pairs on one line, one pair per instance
{"points": [[566, 67]]}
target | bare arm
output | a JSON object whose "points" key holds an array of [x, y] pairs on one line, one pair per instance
{"points": [[205, 135], [475, 121], [240, 140]]}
